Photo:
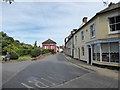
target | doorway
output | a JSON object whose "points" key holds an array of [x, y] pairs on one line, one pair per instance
{"points": [[79, 53], [89, 55]]}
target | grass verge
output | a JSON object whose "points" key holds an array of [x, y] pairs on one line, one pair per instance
{"points": [[21, 58]]}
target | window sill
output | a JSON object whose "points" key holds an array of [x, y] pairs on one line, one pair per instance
{"points": [[82, 40], [93, 37], [114, 32]]}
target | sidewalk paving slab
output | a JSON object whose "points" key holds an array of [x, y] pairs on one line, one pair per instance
{"points": [[102, 71]]}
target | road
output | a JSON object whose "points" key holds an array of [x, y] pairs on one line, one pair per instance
{"points": [[56, 72]]}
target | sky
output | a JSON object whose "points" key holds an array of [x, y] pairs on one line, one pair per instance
{"points": [[38, 21]]}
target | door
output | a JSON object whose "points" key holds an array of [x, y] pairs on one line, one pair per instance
{"points": [[89, 54], [79, 53]]}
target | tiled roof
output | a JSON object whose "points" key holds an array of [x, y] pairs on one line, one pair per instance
{"points": [[49, 41]]}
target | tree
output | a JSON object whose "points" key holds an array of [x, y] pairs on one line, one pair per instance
{"points": [[35, 44]]}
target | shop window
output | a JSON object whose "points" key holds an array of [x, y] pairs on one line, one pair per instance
{"points": [[96, 52], [114, 52], [105, 52], [114, 23]]}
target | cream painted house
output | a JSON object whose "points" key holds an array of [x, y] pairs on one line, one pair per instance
{"points": [[69, 45], [98, 40]]}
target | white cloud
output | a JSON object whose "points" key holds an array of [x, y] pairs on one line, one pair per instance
{"points": [[62, 0], [29, 22]]}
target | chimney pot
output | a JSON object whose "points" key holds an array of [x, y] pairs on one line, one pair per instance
{"points": [[85, 19]]}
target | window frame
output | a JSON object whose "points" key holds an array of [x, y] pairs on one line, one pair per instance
{"points": [[83, 51], [92, 30], [82, 35], [75, 39], [113, 32]]}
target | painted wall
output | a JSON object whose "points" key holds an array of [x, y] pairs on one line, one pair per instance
{"points": [[49, 46], [102, 31], [69, 47]]}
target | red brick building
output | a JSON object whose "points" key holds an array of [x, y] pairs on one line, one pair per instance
{"points": [[49, 44]]}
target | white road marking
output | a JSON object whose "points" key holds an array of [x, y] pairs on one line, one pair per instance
{"points": [[48, 81], [37, 82], [26, 85]]}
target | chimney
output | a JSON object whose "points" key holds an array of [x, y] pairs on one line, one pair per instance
{"points": [[85, 20], [73, 31]]}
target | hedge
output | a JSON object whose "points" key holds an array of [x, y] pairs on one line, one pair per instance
{"points": [[35, 52], [14, 55]]}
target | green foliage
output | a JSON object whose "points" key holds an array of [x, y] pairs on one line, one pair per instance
{"points": [[24, 58], [15, 47], [35, 44], [14, 55], [35, 52], [48, 51]]}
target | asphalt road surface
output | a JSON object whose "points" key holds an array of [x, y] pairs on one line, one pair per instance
{"points": [[56, 72]]}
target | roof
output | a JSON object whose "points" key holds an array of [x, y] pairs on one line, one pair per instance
{"points": [[49, 41]]}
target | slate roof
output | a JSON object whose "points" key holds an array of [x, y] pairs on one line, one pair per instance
{"points": [[49, 41]]}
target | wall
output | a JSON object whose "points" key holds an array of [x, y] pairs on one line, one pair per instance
{"points": [[101, 30]]}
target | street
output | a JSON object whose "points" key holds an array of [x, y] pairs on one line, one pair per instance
{"points": [[55, 71]]}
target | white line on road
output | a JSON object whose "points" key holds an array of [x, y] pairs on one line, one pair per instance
{"points": [[48, 81], [26, 85], [37, 82]]}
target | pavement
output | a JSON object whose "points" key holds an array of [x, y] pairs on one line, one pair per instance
{"points": [[103, 71]]}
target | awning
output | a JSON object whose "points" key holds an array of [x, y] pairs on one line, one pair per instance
{"points": [[103, 41]]}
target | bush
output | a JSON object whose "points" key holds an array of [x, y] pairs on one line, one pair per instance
{"points": [[22, 52], [14, 55], [48, 51], [35, 52]]}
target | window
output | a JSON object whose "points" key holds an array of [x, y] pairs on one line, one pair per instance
{"points": [[110, 52], [105, 52], [114, 23], [114, 52], [45, 47], [83, 51], [96, 52], [82, 35], [92, 30], [75, 39]]}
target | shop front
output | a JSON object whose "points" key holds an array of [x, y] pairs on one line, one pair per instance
{"points": [[106, 52]]}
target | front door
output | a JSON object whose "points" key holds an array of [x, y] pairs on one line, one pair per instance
{"points": [[89, 54], [79, 53]]}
